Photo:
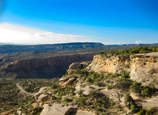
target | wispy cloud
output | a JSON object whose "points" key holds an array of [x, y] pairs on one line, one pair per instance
{"points": [[10, 33]]}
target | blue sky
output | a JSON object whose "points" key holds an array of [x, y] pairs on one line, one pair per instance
{"points": [[106, 21]]}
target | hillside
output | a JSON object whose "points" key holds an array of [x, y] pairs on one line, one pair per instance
{"points": [[118, 82]]}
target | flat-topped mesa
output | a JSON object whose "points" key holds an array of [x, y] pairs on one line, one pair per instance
{"points": [[141, 67]]}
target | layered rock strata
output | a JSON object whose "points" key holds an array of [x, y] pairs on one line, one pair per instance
{"points": [[141, 67]]}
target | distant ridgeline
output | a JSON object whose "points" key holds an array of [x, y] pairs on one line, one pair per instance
{"points": [[49, 47]]}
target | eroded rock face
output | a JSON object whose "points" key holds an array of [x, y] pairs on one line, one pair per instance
{"points": [[142, 67], [107, 65]]}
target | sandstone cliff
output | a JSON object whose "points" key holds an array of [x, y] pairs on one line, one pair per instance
{"points": [[141, 67]]}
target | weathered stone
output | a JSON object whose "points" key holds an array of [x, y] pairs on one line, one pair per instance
{"points": [[56, 109], [37, 95], [104, 64], [69, 82], [70, 71], [75, 65], [41, 91], [63, 79], [141, 67], [43, 98], [123, 99]]}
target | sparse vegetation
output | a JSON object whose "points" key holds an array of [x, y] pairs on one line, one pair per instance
{"points": [[81, 101], [33, 85], [145, 91], [131, 51]]}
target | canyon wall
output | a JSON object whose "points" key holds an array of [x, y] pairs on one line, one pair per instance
{"points": [[141, 67], [42, 68]]}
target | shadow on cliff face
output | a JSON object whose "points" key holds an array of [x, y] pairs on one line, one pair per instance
{"points": [[45, 68]]}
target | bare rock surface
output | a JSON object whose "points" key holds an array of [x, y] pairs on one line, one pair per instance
{"points": [[63, 79], [112, 94], [59, 109], [85, 90], [141, 67], [69, 82], [43, 98], [41, 91], [56, 109], [75, 65]]}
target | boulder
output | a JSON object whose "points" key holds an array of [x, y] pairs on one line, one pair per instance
{"points": [[43, 98], [41, 91], [69, 82], [75, 65], [115, 97], [112, 94], [56, 109], [85, 90], [63, 79], [36, 95]]}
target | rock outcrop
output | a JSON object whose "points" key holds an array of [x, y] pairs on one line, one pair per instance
{"points": [[41, 97], [107, 65], [56, 109], [59, 109], [77, 65], [141, 67]]}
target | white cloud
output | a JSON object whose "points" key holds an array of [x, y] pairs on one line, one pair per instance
{"points": [[138, 42], [10, 33]]}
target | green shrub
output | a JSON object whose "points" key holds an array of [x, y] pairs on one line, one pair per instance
{"points": [[97, 83], [133, 108], [101, 52], [128, 99], [124, 74], [81, 101], [64, 90], [109, 86], [54, 98], [123, 83], [103, 113], [90, 80], [54, 85], [37, 110], [67, 100], [136, 87], [80, 93], [142, 112]]}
